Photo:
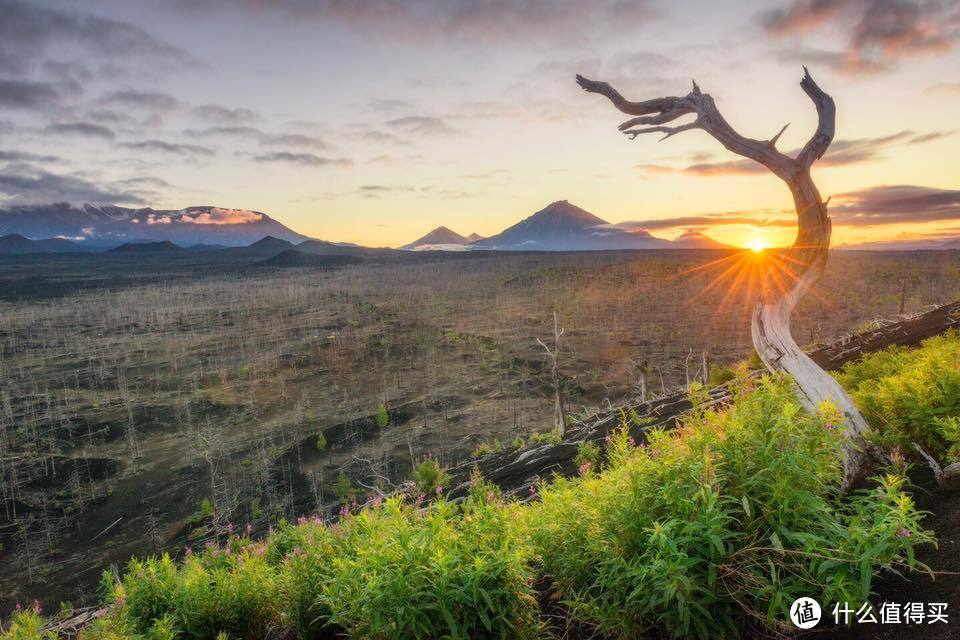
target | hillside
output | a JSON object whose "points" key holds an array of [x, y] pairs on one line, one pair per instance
{"points": [[637, 498]]}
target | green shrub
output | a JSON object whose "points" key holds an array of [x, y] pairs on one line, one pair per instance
{"points": [[728, 518], [721, 375], [587, 453], [25, 624], [321, 443], [381, 417], [429, 476], [231, 589], [343, 488], [910, 395]]}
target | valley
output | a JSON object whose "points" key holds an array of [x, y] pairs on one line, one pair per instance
{"points": [[155, 398]]}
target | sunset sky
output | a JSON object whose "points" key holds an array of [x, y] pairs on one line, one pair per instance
{"points": [[375, 121]]}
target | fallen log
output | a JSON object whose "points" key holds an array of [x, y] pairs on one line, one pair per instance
{"points": [[519, 470]]}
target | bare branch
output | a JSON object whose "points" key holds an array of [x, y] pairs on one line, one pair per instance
{"points": [[670, 131], [773, 141], [662, 118], [657, 105], [826, 114]]}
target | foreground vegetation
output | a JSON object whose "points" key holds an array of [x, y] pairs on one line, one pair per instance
{"points": [[702, 531]]}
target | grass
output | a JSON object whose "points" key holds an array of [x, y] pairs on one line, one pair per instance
{"points": [[702, 531]]}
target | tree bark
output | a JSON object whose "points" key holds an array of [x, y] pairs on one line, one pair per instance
{"points": [[802, 264]]}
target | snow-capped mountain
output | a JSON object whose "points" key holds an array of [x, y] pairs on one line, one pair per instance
{"points": [[107, 225]]}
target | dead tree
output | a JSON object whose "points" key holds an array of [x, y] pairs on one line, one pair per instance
{"points": [[560, 413], [805, 259]]}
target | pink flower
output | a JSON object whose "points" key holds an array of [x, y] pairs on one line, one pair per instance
{"points": [[439, 490], [585, 467], [187, 552], [377, 501], [903, 532], [301, 520], [829, 426], [896, 456], [36, 607], [420, 499], [608, 439], [249, 529], [344, 511]]}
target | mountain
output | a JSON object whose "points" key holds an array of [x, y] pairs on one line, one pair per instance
{"points": [[265, 247], [438, 237], [324, 248], [16, 244], [108, 225], [473, 237], [905, 243], [697, 240], [562, 226], [164, 246]]}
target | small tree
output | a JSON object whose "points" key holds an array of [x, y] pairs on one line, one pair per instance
{"points": [[560, 413]]}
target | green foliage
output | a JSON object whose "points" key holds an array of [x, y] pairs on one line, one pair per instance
{"points": [[721, 375], [488, 447], [201, 515], [911, 395], [321, 443], [343, 488], [382, 417], [732, 515], [587, 452], [25, 624], [549, 437], [429, 476]]}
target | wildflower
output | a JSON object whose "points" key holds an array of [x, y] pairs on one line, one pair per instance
{"points": [[344, 511], [301, 520], [585, 467], [439, 490], [608, 439], [829, 426], [420, 499], [229, 528], [187, 552], [377, 501], [903, 532], [36, 607], [249, 529]]}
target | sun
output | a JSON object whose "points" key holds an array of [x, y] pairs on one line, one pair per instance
{"points": [[757, 245]]}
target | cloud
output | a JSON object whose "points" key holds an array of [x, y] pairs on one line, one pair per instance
{"points": [[879, 32], [388, 104], [225, 115], [840, 153], [422, 125], [707, 220], [148, 100], [22, 94], [25, 156], [28, 30], [82, 129], [305, 159], [945, 87], [24, 184], [489, 21], [218, 216], [226, 131], [895, 204], [161, 146], [294, 140]]}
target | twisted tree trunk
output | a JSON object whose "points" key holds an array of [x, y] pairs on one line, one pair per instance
{"points": [[794, 271]]}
